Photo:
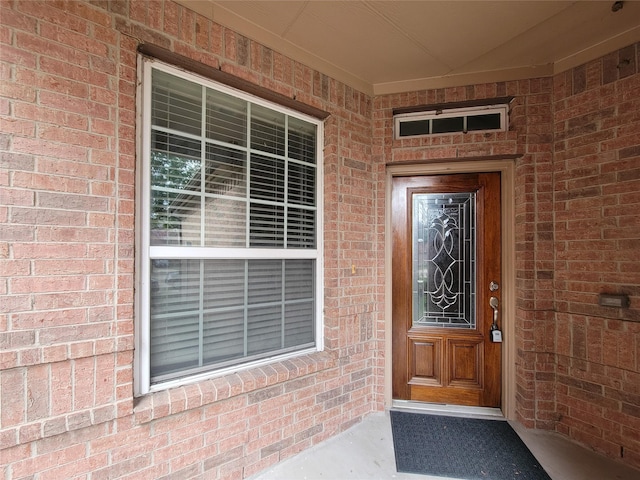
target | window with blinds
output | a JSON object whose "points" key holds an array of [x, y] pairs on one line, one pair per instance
{"points": [[230, 230]]}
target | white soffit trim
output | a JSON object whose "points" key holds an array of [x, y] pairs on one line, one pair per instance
{"points": [[246, 28], [463, 79]]}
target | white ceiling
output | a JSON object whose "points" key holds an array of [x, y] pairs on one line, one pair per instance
{"points": [[393, 46]]}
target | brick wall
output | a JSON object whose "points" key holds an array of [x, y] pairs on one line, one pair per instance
{"points": [[597, 242], [68, 218], [68, 153], [577, 235], [68, 156]]}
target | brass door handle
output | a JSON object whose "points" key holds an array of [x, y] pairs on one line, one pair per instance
{"points": [[496, 334], [493, 301]]}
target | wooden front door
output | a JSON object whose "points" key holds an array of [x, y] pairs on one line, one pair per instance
{"points": [[446, 269]]}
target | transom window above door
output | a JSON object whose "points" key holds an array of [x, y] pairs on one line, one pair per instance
{"points": [[443, 119]]}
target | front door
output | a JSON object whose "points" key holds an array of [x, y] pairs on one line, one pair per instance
{"points": [[446, 289]]}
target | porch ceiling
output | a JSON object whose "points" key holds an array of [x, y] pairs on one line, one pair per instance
{"points": [[384, 47]]}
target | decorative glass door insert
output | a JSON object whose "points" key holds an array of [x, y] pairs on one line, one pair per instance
{"points": [[444, 260]]}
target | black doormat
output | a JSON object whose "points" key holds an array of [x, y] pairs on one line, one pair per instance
{"points": [[464, 448]]}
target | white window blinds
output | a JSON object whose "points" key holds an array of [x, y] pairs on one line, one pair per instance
{"points": [[232, 233]]}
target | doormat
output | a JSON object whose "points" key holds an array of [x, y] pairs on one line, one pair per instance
{"points": [[463, 448]]}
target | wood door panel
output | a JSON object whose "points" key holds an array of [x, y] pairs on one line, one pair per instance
{"points": [[452, 365], [465, 359], [447, 395], [425, 361]]}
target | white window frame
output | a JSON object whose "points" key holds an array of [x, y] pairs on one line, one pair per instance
{"points": [[145, 252], [501, 109]]}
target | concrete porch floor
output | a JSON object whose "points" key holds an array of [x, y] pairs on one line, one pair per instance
{"points": [[365, 452]]}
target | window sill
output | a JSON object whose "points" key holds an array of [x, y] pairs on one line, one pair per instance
{"points": [[186, 397]]}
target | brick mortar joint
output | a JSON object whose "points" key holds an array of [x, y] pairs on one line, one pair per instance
{"points": [[41, 425], [65, 357]]}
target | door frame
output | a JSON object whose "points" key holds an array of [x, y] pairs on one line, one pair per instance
{"points": [[506, 167]]}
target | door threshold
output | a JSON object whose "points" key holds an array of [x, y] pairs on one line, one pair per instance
{"points": [[488, 413]]}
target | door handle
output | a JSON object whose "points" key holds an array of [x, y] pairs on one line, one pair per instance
{"points": [[493, 301], [496, 334]]}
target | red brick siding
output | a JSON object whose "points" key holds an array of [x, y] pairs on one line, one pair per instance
{"points": [[576, 202], [68, 146], [68, 152], [597, 241], [60, 337]]}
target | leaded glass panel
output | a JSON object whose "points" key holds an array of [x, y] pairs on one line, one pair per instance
{"points": [[444, 260]]}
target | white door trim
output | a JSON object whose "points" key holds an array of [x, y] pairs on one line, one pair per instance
{"points": [[507, 171]]}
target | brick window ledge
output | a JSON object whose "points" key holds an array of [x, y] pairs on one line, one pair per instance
{"points": [[161, 404]]}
